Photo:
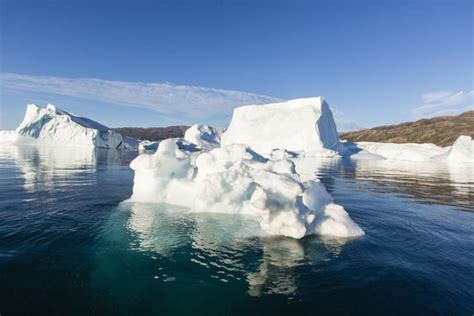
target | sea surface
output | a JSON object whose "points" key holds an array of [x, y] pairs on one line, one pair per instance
{"points": [[70, 244]]}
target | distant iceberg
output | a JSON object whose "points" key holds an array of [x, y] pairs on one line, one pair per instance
{"points": [[405, 152], [462, 151], [52, 126], [301, 125]]}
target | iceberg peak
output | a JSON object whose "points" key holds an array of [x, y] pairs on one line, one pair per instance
{"points": [[51, 107]]}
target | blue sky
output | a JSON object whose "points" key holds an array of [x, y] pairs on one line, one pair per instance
{"points": [[144, 63]]}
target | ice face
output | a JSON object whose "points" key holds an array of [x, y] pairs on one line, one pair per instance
{"points": [[234, 179], [52, 126], [461, 151], [296, 125]]}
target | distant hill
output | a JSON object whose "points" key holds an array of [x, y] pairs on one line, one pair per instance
{"points": [[153, 133], [441, 131]]}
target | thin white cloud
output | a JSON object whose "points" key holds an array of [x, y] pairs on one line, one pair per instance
{"points": [[188, 102], [442, 102], [165, 98]]}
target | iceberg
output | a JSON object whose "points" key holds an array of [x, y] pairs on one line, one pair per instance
{"points": [[406, 152], [300, 125], [462, 151], [235, 179], [205, 137], [52, 126]]}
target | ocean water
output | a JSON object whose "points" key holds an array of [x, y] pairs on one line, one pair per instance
{"points": [[69, 244]]}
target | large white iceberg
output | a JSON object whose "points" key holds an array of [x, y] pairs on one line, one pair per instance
{"points": [[235, 179], [296, 125], [53, 126]]}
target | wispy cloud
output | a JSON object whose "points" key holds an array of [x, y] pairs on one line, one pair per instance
{"points": [[165, 98], [188, 102], [444, 103]]}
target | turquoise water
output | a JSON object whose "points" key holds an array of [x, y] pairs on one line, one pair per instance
{"points": [[70, 245]]}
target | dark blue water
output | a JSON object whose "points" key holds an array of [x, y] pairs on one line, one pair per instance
{"points": [[69, 246]]}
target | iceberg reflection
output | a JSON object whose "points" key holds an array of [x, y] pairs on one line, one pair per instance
{"points": [[161, 231], [49, 167], [424, 181], [228, 248], [439, 181]]}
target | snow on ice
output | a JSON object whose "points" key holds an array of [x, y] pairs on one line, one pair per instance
{"points": [[52, 126]]}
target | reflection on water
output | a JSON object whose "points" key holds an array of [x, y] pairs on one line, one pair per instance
{"points": [[274, 275], [427, 182], [162, 232], [53, 168], [221, 243]]}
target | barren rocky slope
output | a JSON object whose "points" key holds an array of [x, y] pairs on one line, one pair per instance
{"points": [[441, 131], [153, 133]]}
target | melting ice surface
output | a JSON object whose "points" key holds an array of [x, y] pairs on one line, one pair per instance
{"points": [[69, 245]]}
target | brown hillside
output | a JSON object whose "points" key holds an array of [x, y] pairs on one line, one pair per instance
{"points": [[441, 130], [153, 133]]}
